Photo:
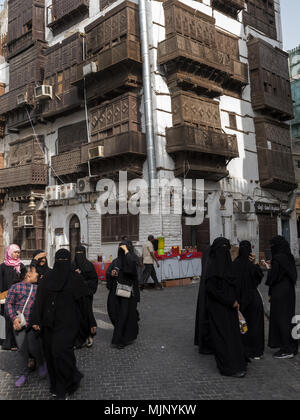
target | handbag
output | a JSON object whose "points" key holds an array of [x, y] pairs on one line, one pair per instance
{"points": [[243, 324], [2, 328], [20, 315], [124, 291]]}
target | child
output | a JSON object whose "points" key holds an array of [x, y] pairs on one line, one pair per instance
{"points": [[20, 298]]}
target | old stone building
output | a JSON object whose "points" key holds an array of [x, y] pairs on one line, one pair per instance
{"points": [[73, 107]]}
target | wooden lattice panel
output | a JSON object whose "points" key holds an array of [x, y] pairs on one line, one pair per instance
{"points": [[115, 117], [119, 24], [195, 110]]}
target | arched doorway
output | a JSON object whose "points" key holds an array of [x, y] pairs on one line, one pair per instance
{"points": [[74, 234]]}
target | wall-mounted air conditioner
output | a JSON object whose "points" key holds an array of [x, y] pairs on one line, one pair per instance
{"points": [[43, 92], [96, 152], [90, 68], [243, 207], [52, 192], [25, 221], [67, 191], [22, 99], [84, 186]]}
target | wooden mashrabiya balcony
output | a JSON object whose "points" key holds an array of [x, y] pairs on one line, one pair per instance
{"points": [[34, 174]]}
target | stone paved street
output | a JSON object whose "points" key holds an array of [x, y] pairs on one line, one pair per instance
{"points": [[163, 364]]}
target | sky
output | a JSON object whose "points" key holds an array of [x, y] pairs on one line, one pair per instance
{"points": [[290, 15]]}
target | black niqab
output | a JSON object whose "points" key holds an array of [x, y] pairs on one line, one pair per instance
{"points": [[219, 262], [59, 276], [281, 253], [81, 260], [246, 274]]}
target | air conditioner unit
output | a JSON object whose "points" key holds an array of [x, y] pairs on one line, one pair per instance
{"points": [[43, 92], [67, 191], [90, 68], [243, 207], [249, 206], [24, 221], [22, 99], [84, 186], [52, 193], [96, 152]]}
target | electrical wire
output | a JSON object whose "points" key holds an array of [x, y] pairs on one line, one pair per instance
{"points": [[40, 146]]}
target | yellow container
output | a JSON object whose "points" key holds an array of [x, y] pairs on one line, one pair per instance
{"points": [[161, 245]]}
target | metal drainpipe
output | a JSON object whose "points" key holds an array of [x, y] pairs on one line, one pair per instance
{"points": [[147, 92], [292, 202]]}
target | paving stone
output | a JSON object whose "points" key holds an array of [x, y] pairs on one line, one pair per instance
{"points": [[162, 364]]}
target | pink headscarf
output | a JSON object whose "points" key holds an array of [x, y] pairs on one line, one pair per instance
{"points": [[9, 261]]}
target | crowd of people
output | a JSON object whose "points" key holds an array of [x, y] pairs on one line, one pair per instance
{"points": [[229, 288], [48, 313]]}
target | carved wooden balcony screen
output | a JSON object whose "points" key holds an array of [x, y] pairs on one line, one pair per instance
{"points": [[270, 83], [261, 15], [26, 24], [117, 116], [60, 72]]}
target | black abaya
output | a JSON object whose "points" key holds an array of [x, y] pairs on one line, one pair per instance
{"points": [[123, 311], [60, 308], [221, 296], [90, 277], [249, 277], [202, 333], [8, 277], [282, 279]]}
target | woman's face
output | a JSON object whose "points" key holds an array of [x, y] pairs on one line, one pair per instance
{"points": [[42, 262], [16, 255]]}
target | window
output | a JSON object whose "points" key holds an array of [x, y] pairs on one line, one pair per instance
{"points": [[115, 226], [232, 121]]}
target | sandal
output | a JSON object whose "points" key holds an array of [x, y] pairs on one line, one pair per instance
{"points": [[89, 342]]}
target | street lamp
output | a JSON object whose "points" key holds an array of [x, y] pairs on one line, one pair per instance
{"points": [[222, 201]]}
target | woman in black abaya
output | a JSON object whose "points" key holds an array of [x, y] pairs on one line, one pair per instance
{"points": [[61, 304], [202, 333], [249, 276], [40, 263], [88, 272], [222, 306], [282, 278], [123, 311]]}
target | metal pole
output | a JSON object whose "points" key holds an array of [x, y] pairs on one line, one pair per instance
{"points": [[147, 92]]}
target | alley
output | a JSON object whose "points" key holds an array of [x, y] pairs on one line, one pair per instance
{"points": [[163, 364]]}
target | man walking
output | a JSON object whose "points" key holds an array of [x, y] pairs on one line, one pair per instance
{"points": [[148, 261]]}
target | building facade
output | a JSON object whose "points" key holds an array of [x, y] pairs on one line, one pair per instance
{"points": [[72, 109]]}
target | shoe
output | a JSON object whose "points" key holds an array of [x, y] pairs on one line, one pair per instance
{"points": [[239, 375], [31, 365], [65, 398], [120, 347], [43, 371], [89, 342], [21, 381], [282, 355], [160, 287]]}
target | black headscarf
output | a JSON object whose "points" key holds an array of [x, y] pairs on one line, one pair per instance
{"points": [[58, 277], [281, 252], [246, 274], [219, 262], [42, 270], [81, 261]]}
